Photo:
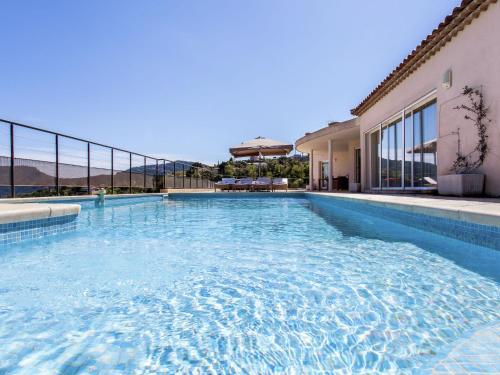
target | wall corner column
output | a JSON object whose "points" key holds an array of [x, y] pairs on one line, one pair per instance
{"points": [[311, 168], [330, 165]]}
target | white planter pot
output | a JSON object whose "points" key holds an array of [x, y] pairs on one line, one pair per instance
{"points": [[461, 184]]}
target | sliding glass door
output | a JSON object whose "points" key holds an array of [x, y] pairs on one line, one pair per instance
{"points": [[403, 153]]}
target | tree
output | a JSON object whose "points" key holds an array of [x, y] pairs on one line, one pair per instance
{"points": [[229, 169], [251, 170]]}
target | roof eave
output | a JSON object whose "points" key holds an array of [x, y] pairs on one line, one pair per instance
{"points": [[461, 16]]}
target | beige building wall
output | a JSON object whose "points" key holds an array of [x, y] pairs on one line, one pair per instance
{"points": [[474, 58], [318, 157], [343, 159]]}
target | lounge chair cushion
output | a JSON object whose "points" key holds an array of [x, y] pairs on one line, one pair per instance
{"points": [[263, 181], [226, 181], [280, 181]]}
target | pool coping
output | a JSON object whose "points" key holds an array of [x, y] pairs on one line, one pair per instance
{"points": [[16, 213], [475, 211], [62, 198]]}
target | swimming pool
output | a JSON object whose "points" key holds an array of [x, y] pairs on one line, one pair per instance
{"points": [[247, 283]]}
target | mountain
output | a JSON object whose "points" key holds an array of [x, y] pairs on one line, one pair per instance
{"points": [[169, 167]]}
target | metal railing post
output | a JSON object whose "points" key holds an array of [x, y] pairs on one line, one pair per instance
{"points": [[88, 168], [12, 183], [155, 186], [57, 164], [174, 177], [112, 171], [144, 188], [164, 175], [183, 176], [130, 174]]}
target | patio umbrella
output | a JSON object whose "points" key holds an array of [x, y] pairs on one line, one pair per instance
{"points": [[260, 147]]}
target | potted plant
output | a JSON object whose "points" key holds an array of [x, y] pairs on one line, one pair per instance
{"points": [[465, 179]]}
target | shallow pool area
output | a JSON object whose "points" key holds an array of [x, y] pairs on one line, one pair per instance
{"points": [[240, 284]]}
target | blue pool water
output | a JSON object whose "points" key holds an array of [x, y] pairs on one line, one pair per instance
{"points": [[252, 285]]}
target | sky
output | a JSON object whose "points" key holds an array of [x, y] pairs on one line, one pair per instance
{"points": [[187, 79]]}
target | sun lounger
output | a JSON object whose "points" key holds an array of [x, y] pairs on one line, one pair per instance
{"points": [[280, 184], [262, 183], [225, 184], [244, 184]]}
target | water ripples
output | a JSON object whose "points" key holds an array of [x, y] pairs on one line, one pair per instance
{"points": [[236, 286]]}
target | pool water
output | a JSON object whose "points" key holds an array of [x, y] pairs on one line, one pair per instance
{"points": [[246, 284]]}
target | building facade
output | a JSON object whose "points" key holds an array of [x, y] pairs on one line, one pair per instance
{"points": [[334, 156], [409, 126]]}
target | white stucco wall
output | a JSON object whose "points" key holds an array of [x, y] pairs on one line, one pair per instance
{"points": [[474, 57], [318, 156]]}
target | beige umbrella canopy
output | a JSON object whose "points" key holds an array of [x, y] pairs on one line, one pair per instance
{"points": [[261, 146]]}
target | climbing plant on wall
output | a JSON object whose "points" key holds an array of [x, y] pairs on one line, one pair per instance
{"points": [[477, 112]]}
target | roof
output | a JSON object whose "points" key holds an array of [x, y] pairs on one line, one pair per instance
{"points": [[460, 17], [334, 130], [261, 146]]}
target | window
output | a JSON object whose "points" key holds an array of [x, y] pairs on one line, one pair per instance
{"points": [[403, 154], [408, 151], [375, 155], [424, 146], [357, 165]]}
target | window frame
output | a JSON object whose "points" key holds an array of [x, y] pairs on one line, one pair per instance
{"points": [[399, 116]]}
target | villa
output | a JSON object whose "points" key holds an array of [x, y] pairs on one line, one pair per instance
{"points": [[407, 131]]}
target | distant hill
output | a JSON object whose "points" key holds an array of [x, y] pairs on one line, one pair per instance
{"points": [[169, 167]]}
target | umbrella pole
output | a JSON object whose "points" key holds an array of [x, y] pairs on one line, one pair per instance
{"points": [[260, 157]]}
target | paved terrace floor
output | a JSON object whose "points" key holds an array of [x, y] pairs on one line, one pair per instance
{"points": [[484, 211]]}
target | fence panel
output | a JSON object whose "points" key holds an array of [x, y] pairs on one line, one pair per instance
{"points": [[100, 167], [169, 175], [34, 163], [121, 172], [73, 166], [180, 171], [137, 173], [150, 182]]}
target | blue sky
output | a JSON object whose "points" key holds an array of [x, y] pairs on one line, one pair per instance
{"points": [[188, 79]]}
